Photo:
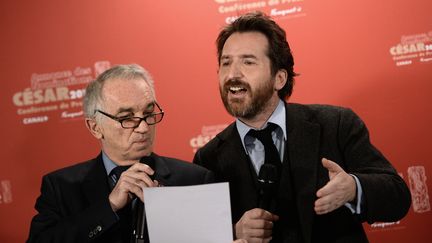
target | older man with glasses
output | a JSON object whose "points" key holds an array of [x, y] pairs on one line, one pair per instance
{"points": [[96, 200]]}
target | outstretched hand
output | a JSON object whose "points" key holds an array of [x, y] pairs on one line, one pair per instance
{"points": [[339, 190]]}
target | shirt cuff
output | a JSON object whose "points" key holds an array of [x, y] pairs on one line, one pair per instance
{"points": [[355, 207]]}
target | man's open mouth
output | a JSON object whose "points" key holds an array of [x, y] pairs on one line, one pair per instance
{"points": [[237, 89]]}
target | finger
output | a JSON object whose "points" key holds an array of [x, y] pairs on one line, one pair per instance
{"points": [[328, 203], [258, 233], [259, 224], [328, 189], [140, 167], [326, 208], [137, 177], [120, 195], [331, 166], [321, 211], [258, 213], [138, 191], [323, 201], [259, 240], [323, 205], [156, 183], [322, 208]]}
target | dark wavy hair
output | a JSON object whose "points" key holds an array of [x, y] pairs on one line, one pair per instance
{"points": [[279, 51]]}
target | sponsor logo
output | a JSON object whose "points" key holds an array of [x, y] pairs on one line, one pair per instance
{"points": [[419, 190], [66, 114], [207, 133], [58, 92], [36, 119], [412, 49], [277, 9], [384, 225], [5, 191]]}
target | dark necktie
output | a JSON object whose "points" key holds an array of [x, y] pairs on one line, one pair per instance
{"points": [[125, 214], [115, 173], [271, 154], [269, 173]]}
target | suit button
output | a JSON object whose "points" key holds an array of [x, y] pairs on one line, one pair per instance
{"points": [[99, 228], [91, 234]]}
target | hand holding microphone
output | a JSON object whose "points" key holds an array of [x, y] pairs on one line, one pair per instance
{"points": [[130, 184], [256, 224]]}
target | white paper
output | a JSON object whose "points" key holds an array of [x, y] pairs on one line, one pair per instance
{"points": [[189, 214]]}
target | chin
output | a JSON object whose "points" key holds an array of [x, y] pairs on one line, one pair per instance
{"points": [[145, 152]]}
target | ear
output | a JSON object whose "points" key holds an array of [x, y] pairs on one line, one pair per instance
{"points": [[281, 78], [94, 128]]}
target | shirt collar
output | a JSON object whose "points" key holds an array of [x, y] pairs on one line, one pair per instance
{"points": [[108, 163], [278, 117]]}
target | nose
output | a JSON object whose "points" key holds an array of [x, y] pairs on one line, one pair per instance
{"points": [[234, 71], [142, 127]]}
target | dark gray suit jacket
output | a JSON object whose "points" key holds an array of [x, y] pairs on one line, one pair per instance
{"points": [[313, 132], [74, 207]]}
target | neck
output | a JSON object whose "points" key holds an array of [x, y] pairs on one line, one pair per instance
{"points": [[125, 162], [262, 117], [120, 160]]}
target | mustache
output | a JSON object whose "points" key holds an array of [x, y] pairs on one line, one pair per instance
{"points": [[235, 82]]}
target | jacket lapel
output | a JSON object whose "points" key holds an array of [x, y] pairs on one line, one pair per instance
{"points": [[95, 185], [162, 171], [303, 138], [233, 158], [234, 164]]}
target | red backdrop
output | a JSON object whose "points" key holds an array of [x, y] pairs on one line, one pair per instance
{"points": [[372, 56]]}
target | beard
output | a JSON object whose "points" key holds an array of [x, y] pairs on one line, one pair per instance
{"points": [[246, 107]]}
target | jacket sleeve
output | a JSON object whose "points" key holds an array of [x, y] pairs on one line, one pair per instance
{"points": [[386, 196], [56, 223]]}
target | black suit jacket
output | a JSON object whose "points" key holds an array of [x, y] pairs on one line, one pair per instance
{"points": [[313, 132], [74, 207]]}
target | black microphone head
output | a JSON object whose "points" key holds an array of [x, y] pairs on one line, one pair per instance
{"points": [[268, 178], [268, 173], [148, 160]]}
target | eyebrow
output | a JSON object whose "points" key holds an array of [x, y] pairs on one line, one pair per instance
{"points": [[150, 107], [241, 56], [249, 56]]}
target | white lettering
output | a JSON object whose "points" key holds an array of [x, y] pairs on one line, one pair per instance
{"points": [[241, 6], [405, 49], [30, 97], [402, 63], [36, 119], [66, 114], [283, 12], [383, 224]]}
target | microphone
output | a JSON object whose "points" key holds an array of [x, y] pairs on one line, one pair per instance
{"points": [[139, 224], [150, 161], [268, 179]]}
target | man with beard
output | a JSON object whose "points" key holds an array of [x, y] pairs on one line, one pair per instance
{"points": [[326, 177]]}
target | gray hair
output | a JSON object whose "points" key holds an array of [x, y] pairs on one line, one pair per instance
{"points": [[93, 96]]}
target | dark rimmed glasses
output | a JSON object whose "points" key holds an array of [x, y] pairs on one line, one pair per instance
{"points": [[134, 122]]}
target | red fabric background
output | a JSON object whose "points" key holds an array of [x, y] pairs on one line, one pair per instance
{"points": [[344, 51]]}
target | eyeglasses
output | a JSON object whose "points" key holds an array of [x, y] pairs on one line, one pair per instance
{"points": [[134, 122]]}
